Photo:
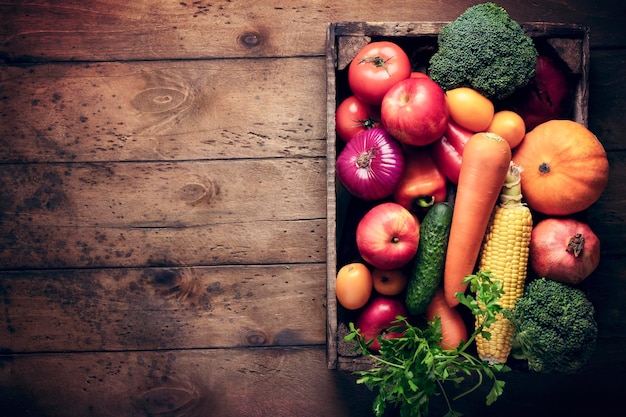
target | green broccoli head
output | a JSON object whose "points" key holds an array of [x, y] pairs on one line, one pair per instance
{"points": [[486, 50], [554, 327]]}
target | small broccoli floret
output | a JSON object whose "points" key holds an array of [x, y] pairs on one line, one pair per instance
{"points": [[554, 327], [486, 50]]}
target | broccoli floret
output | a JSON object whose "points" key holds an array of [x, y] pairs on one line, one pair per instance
{"points": [[554, 327], [486, 50]]}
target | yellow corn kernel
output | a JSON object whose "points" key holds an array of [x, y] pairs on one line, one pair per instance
{"points": [[498, 347], [505, 254]]}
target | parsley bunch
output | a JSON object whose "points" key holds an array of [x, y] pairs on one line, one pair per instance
{"points": [[408, 370]]}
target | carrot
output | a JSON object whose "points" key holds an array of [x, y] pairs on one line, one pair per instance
{"points": [[484, 166], [453, 328]]}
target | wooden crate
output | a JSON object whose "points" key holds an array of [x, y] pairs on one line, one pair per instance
{"points": [[570, 43]]}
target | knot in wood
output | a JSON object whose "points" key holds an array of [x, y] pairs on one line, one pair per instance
{"points": [[169, 400], [255, 338], [194, 193], [158, 99], [250, 39]]}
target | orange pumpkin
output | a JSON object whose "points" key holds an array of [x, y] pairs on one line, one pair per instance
{"points": [[565, 167]]}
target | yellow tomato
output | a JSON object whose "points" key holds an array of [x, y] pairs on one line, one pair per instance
{"points": [[389, 282], [353, 285], [469, 108], [509, 125]]}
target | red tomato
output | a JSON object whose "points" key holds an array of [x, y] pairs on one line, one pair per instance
{"points": [[353, 285], [353, 116], [375, 68]]}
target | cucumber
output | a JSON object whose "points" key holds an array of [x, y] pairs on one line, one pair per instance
{"points": [[428, 264]]}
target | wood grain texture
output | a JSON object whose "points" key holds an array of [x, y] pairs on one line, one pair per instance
{"points": [[162, 308], [121, 30], [180, 383], [262, 382], [165, 110], [123, 214]]}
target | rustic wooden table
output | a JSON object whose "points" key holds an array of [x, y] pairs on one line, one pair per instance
{"points": [[163, 209]]}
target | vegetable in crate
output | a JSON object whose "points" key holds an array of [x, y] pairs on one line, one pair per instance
{"points": [[549, 95], [453, 328], [353, 285], [505, 254], [565, 167], [415, 111], [375, 69], [469, 108], [564, 249], [427, 269], [447, 152], [376, 320], [510, 125], [371, 164], [389, 281], [354, 116], [485, 49], [486, 160], [387, 236], [411, 368], [555, 327], [422, 184]]}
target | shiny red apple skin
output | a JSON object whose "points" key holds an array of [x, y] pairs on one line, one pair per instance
{"points": [[415, 111], [377, 316], [387, 236]]}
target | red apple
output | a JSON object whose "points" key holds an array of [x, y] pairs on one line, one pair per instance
{"points": [[378, 316], [387, 236], [564, 249], [415, 112]]}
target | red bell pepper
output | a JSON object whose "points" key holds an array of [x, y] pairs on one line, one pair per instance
{"points": [[422, 184], [447, 152]]}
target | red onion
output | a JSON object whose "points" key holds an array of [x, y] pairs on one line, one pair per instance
{"points": [[371, 164]]}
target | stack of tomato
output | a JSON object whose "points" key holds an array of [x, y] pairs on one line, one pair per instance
{"points": [[401, 151]]}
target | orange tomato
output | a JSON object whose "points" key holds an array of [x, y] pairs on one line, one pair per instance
{"points": [[389, 282], [469, 108], [509, 125], [353, 286]]}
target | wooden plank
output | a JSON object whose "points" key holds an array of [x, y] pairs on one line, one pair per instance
{"points": [[607, 96], [183, 213], [607, 217], [162, 308], [189, 383], [606, 289], [266, 382], [165, 110], [261, 242], [165, 194], [147, 29]]}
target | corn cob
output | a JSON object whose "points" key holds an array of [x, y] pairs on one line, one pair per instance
{"points": [[504, 253]]}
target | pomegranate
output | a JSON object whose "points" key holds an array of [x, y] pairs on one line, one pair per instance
{"points": [[564, 249]]}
